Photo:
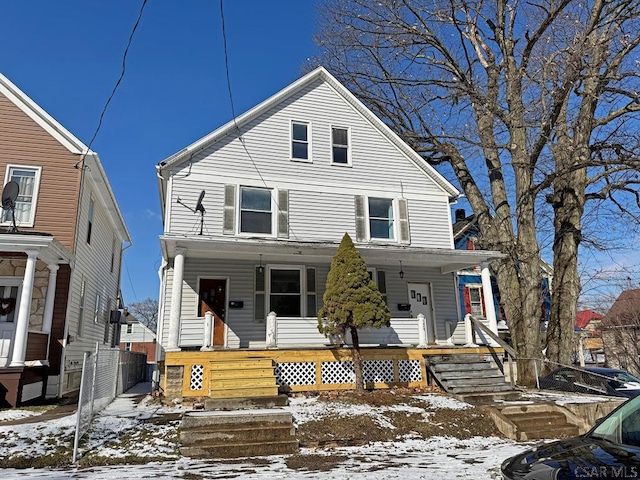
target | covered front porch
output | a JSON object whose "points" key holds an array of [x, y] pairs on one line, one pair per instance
{"points": [[29, 268]]}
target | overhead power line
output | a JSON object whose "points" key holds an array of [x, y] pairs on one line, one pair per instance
{"points": [[113, 92]]}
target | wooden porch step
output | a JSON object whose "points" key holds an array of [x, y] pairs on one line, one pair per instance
{"points": [[244, 392], [243, 382], [240, 378]]}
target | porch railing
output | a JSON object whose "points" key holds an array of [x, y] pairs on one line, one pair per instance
{"points": [[477, 325], [303, 331]]}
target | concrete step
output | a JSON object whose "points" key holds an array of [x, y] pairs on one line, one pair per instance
{"points": [[489, 398], [246, 403], [245, 433], [558, 431], [199, 419], [235, 434], [241, 450], [537, 420]]}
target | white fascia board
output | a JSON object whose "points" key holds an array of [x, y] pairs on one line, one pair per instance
{"points": [[48, 248], [106, 195], [42, 118]]}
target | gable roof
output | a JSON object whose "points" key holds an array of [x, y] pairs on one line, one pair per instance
{"points": [[625, 311], [71, 143], [322, 74]]}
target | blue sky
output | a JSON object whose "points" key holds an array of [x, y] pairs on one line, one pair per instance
{"points": [[66, 55]]}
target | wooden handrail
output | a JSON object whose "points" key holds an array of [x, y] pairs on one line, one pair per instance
{"points": [[507, 348]]}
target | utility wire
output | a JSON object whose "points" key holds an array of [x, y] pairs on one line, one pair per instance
{"points": [[113, 92], [233, 114]]}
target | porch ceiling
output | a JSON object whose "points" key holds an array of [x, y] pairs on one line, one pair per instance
{"points": [[448, 260]]}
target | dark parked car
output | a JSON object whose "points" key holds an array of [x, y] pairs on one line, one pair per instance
{"points": [[610, 450], [594, 380]]}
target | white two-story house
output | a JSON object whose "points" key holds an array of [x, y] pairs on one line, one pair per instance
{"points": [[253, 214]]}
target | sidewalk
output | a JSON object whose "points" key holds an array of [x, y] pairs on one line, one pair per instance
{"points": [[60, 411]]}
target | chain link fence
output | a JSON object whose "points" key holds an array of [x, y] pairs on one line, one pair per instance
{"points": [[106, 373], [591, 380]]}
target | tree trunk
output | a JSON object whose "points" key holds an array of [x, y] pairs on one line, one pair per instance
{"points": [[356, 356]]}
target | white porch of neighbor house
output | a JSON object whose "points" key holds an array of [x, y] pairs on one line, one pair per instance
{"points": [[413, 323]]}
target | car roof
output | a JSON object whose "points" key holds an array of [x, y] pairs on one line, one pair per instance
{"points": [[603, 370]]}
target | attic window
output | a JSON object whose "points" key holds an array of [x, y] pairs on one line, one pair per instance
{"points": [[300, 141], [340, 145]]}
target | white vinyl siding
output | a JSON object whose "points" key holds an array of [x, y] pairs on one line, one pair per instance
{"points": [[319, 195], [245, 331], [93, 265]]}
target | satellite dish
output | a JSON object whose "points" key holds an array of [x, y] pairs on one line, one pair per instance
{"points": [[199, 208], [9, 195]]}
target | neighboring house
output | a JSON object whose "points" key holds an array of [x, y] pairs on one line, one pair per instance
{"points": [[60, 266], [620, 330], [136, 337], [589, 321], [470, 290], [253, 214]]}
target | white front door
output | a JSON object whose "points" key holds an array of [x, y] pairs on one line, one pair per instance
{"points": [[8, 317], [422, 303]]}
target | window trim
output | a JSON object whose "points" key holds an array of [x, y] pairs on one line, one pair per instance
{"points": [[274, 213], [303, 282], [477, 287], [348, 129], [34, 197], [90, 217], [396, 216], [309, 158]]}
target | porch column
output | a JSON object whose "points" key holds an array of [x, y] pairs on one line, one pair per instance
{"points": [[176, 301], [24, 312], [50, 298], [489, 307]]}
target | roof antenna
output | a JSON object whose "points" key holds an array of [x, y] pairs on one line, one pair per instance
{"points": [[199, 208], [9, 196]]}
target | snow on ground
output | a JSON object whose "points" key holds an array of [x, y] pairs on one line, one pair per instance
{"points": [[478, 458]]}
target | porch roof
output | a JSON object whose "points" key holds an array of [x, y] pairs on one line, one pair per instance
{"points": [[272, 250], [48, 249]]}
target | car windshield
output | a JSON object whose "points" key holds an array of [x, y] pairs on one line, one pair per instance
{"points": [[625, 377], [622, 426]]}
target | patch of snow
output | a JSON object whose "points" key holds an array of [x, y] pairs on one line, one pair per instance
{"points": [[16, 414]]}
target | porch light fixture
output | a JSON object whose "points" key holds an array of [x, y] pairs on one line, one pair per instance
{"points": [[401, 273], [260, 267]]}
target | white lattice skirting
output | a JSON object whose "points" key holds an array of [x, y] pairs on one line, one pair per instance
{"points": [[197, 375], [375, 371]]}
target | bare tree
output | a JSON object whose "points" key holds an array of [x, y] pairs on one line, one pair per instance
{"points": [[146, 312], [521, 102]]}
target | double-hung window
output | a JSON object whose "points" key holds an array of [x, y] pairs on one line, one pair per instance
{"points": [[381, 218], [285, 296], [340, 145], [300, 141], [28, 180], [256, 210]]}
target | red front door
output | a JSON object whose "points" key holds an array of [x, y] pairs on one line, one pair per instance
{"points": [[213, 298]]}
